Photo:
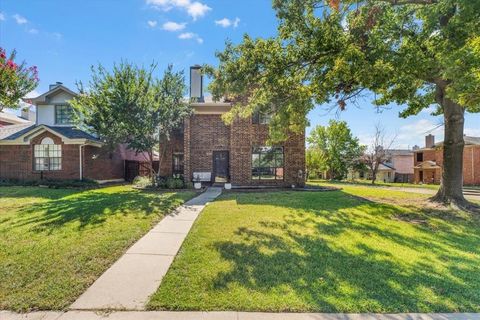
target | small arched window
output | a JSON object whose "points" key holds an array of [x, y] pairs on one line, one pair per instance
{"points": [[47, 156]]}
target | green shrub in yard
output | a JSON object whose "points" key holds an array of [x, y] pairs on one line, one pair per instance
{"points": [[174, 183], [142, 182]]}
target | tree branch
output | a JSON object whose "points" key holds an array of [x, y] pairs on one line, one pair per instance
{"points": [[404, 2]]}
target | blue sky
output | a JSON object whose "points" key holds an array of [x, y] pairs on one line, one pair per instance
{"points": [[64, 38]]}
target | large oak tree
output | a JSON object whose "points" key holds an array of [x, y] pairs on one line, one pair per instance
{"points": [[415, 53]]}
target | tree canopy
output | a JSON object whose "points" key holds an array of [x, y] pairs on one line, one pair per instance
{"points": [[129, 105], [16, 80], [334, 149], [414, 53]]}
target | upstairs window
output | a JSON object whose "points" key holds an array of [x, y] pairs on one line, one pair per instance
{"points": [[260, 117], [47, 156], [267, 163], [63, 114], [419, 156]]}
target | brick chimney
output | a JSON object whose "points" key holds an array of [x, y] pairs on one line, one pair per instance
{"points": [[50, 87], [196, 84], [429, 141]]}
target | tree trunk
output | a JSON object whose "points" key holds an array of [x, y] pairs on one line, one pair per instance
{"points": [[451, 187], [374, 175]]}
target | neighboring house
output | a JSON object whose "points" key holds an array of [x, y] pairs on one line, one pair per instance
{"points": [[429, 161], [209, 150], [397, 168], [52, 148], [10, 119], [401, 160], [385, 173], [204, 149]]}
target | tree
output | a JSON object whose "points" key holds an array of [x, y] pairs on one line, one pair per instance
{"points": [[314, 163], [16, 80], [128, 105], [410, 52], [377, 152], [338, 150]]}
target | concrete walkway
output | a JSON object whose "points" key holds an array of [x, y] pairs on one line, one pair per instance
{"points": [[129, 282], [226, 315]]}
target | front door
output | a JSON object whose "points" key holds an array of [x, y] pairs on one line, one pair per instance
{"points": [[220, 166]]}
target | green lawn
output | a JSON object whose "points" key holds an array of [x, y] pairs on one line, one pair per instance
{"points": [[356, 250], [54, 243], [368, 183]]}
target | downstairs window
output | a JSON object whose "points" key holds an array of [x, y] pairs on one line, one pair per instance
{"points": [[267, 163], [47, 156]]}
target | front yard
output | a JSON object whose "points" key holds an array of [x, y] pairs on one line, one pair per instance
{"points": [[54, 243], [361, 249]]}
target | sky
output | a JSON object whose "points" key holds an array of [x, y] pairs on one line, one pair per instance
{"points": [[65, 38]]}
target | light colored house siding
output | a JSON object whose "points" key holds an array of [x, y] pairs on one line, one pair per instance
{"points": [[46, 113]]}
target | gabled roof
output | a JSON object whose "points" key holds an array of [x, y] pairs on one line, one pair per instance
{"points": [[13, 129], [43, 98], [70, 133], [384, 166], [427, 165], [399, 152], [12, 118]]}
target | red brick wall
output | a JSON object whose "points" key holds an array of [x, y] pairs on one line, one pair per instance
{"points": [[471, 165], [207, 133], [175, 145], [16, 162], [100, 164]]}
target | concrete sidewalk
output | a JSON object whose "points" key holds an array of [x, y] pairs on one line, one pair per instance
{"points": [[129, 282], [229, 315]]}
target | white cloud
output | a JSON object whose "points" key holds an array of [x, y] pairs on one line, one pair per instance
{"points": [[32, 94], [33, 31], [57, 35], [2, 16], [19, 19], [225, 22], [173, 26], [190, 35], [414, 133], [152, 23], [195, 9], [472, 132]]}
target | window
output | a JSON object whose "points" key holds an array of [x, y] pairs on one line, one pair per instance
{"points": [[177, 163], [63, 114], [419, 156], [259, 117], [47, 156], [267, 163]]}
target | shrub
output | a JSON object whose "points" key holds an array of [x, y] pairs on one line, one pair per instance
{"points": [[174, 183], [142, 182]]}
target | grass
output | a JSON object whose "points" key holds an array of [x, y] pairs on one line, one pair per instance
{"points": [[378, 183], [55, 242], [360, 249]]}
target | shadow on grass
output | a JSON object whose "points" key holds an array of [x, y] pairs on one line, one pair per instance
{"points": [[363, 276], [92, 208]]}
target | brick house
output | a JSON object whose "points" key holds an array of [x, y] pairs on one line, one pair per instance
{"points": [[52, 148], [205, 149], [428, 161]]}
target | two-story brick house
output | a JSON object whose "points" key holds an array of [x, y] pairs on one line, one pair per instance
{"points": [[428, 161], [209, 150], [204, 149], [52, 148]]}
